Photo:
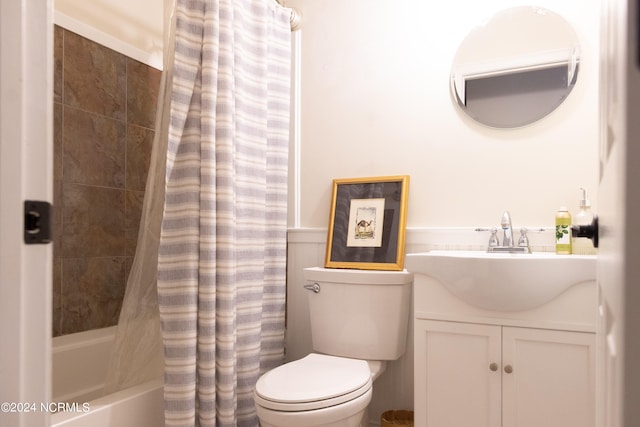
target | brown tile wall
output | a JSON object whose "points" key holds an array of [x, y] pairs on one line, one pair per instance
{"points": [[104, 112]]}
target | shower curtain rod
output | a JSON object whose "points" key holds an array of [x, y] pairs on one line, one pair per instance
{"points": [[295, 17]]}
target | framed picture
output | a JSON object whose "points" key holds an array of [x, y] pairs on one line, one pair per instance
{"points": [[367, 223]]}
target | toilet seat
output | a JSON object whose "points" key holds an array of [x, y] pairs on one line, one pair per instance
{"points": [[313, 382]]}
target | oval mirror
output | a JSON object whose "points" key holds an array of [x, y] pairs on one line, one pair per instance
{"points": [[515, 68]]}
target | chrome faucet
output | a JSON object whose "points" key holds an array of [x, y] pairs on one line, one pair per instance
{"points": [[508, 244], [505, 223]]}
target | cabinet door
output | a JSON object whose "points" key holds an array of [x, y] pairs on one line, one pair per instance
{"points": [[457, 374], [548, 378]]}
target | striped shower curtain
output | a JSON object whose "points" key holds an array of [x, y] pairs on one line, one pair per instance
{"points": [[221, 262]]}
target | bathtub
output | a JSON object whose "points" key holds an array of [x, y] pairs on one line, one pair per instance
{"points": [[79, 365]]}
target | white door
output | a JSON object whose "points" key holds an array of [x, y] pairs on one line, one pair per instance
{"points": [[548, 378], [619, 212], [26, 56]]}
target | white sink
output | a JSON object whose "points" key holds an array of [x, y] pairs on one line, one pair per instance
{"points": [[504, 282]]}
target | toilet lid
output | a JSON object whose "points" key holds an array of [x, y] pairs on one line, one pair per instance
{"points": [[311, 382]]}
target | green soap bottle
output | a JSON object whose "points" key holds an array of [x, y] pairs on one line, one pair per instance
{"points": [[563, 231]]}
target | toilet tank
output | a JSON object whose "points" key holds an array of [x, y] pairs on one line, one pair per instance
{"points": [[361, 314]]}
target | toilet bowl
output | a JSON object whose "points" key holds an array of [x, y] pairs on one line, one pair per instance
{"points": [[358, 322], [317, 390]]}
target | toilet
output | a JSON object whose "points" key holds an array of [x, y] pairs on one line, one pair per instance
{"points": [[359, 321]]}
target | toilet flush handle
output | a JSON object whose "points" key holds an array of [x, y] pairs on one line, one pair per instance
{"points": [[313, 287]]}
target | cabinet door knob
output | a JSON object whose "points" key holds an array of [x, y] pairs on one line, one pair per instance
{"points": [[508, 369], [493, 367]]}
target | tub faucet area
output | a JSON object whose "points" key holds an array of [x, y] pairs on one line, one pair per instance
{"points": [[508, 245]]}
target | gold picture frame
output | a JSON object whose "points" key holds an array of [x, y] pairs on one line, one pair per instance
{"points": [[367, 223]]}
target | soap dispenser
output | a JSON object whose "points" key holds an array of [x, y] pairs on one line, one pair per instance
{"points": [[582, 245]]}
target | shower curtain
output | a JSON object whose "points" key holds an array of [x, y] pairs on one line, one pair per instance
{"points": [[205, 299], [222, 253]]}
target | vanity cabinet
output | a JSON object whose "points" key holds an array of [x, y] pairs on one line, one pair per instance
{"points": [[492, 375]]}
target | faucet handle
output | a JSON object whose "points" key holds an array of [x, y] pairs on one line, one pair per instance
{"points": [[523, 241], [493, 240]]}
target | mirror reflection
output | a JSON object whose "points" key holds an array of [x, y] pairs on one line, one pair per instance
{"points": [[515, 68]]}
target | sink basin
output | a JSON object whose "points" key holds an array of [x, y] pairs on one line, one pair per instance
{"points": [[502, 281]]}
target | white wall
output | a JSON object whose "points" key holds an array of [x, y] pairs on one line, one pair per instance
{"points": [[131, 27], [375, 101]]}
